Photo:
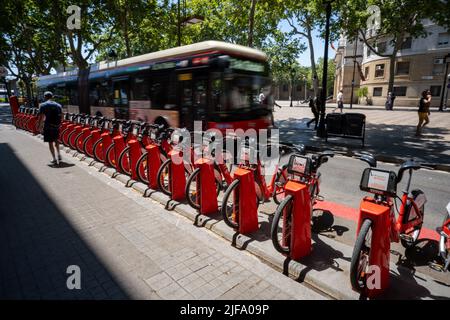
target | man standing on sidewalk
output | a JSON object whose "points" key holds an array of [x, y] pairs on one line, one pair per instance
{"points": [[340, 101], [424, 112], [53, 114]]}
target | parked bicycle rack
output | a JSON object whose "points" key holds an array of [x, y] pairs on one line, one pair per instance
{"points": [[206, 182], [300, 235], [177, 178], [248, 215], [380, 244], [135, 154], [153, 164]]}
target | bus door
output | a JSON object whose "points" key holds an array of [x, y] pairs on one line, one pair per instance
{"points": [[121, 92], [193, 99]]}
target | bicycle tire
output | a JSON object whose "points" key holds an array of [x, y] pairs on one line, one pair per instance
{"points": [[223, 210], [193, 203], [355, 271], [278, 196], [69, 139], [142, 174], [275, 224], [77, 142], [110, 157], [161, 186], [97, 150], [89, 153], [122, 167], [64, 137]]}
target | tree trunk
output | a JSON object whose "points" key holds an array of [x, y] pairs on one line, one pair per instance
{"points": [[126, 36], [83, 90], [251, 22], [315, 79]]}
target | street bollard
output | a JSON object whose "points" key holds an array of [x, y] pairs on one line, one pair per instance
{"points": [[300, 235], [245, 194], [135, 154], [177, 177], [119, 145], [153, 164], [381, 244], [206, 183]]}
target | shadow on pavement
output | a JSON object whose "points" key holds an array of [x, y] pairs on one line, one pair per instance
{"points": [[390, 140], [38, 244]]}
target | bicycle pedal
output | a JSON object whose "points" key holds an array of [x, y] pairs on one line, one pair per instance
{"points": [[406, 237]]}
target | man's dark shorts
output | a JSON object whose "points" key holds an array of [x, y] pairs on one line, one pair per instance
{"points": [[51, 134]]}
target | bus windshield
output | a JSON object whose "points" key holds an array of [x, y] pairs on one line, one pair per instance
{"points": [[245, 92]]}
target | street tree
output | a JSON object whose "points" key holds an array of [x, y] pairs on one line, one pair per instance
{"points": [[399, 20]]}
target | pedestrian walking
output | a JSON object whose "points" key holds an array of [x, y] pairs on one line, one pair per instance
{"points": [[52, 111], [390, 101], [261, 97], [340, 101], [314, 105], [424, 111]]}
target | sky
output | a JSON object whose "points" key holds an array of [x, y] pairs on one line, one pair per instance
{"points": [[318, 43]]}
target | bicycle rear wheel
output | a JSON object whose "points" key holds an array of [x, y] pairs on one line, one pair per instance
{"points": [[281, 226], [360, 258]]}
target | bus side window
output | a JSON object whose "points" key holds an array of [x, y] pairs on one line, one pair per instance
{"points": [[217, 97]]}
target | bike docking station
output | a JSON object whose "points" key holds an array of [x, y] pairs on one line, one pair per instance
{"points": [[14, 105], [381, 183], [247, 215], [119, 145], [299, 236], [135, 153], [206, 182], [153, 164], [177, 177]]}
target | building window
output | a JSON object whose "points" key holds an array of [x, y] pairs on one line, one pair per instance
{"points": [[382, 47], [366, 72], [407, 43], [443, 39], [402, 68], [438, 66], [400, 91], [379, 71], [435, 91], [377, 92], [285, 87]]}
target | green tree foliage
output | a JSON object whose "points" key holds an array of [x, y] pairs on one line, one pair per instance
{"points": [[399, 19]]}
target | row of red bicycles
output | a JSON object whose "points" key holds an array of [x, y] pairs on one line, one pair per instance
{"points": [[145, 151]]}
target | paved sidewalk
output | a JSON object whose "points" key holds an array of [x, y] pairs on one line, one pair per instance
{"points": [[389, 134], [127, 246]]}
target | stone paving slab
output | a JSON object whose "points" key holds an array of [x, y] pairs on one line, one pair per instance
{"points": [[127, 246]]}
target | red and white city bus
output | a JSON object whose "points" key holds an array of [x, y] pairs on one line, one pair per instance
{"points": [[214, 82]]}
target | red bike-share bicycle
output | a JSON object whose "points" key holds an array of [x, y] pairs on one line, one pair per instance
{"points": [[275, 188], [289, 232], [444, 244], [378, 226]]}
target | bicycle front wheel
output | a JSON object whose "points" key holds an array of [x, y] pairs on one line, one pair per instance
{"points": [[124, 161], [98, 151], [230, 205], [281, 226], [360, 258], [141, 168], [164, 176]]}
